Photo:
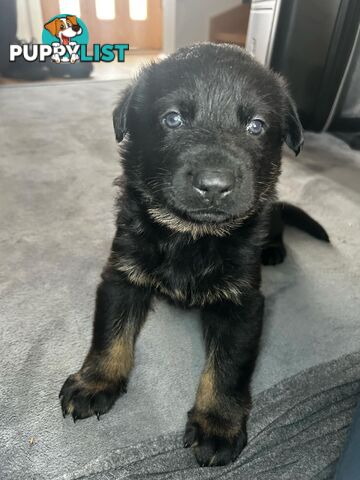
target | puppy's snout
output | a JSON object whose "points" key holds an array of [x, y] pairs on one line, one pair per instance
{"points": [[214, 184], [76, 28]]}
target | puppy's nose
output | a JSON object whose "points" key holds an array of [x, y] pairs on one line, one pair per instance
{"points": [[76, 28], [213, 184]]}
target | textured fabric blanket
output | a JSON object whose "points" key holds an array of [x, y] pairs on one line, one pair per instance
{"points": [[58, 161], [296, 431]]}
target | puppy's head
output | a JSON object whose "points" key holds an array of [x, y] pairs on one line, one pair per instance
{"points": [[64, 28], [204, 129]]}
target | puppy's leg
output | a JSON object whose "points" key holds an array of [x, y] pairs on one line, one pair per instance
{"points": [[74, 57], [121, 310], [274, 250], [56, 56], [216, 426]]}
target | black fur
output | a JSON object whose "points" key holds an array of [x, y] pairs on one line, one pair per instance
{"points": [[282, 214], [192, 225]]}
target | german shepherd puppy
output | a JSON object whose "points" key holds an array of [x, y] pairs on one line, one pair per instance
{"points": [[203, 132]]}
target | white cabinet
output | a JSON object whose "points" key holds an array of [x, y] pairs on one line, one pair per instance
{"points": [[261, 29]]}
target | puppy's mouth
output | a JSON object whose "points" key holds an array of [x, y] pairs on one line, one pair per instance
{"points": [[65, 39], [207, 215]]}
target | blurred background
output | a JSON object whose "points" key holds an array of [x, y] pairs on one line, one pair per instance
{"points": [[315, 44]]}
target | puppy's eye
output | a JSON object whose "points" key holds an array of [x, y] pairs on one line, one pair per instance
{"points": [[172, 120], [255, 127], [62, 27]]}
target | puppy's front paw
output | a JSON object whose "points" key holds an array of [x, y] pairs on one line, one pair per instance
{"points": [[273, 254], [213, 441], [81, 396]]}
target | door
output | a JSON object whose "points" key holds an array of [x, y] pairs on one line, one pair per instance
{"points": [[136, 22], [261, 29]]}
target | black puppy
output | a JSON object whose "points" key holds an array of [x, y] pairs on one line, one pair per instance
{"points": [[204, 132]]}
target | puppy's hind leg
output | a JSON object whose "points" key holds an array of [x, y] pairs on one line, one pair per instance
{"points": [[121, 309], [274, 251]]}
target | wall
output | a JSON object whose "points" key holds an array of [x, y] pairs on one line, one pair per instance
{"points": [[29, 20], [169, 25], [351, 106], [189, 22]]}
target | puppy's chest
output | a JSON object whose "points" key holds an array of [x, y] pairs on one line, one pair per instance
{"points": [[190, 275]]}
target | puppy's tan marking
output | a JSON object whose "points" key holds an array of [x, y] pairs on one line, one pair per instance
{"points": [[72, 19], [54, 26], [227, 288], [196, 230], [206, 393], [215, 413], [70, 408], [117, 361], [106, 368]]}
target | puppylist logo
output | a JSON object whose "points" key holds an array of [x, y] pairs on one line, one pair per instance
{"points": [[65, 39]]}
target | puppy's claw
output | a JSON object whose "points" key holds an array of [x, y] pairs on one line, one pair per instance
{"points": [[64, 413], [97, 415], [75, 418], [212, 461]]}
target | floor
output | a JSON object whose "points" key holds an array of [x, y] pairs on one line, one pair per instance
{"points": [[106, 71]]}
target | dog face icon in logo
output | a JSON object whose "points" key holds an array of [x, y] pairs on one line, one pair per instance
{"points": [[70, 32]]}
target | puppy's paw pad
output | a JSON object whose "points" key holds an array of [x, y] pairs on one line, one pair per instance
{"points": [[273, 254], [81, 398]]}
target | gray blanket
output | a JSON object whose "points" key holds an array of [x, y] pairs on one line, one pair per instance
{"points": [[296, 431], [58, 160]]}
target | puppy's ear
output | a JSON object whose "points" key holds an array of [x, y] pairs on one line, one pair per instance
{"points": [[294, 137], [72, 19], [52, 27], [120, 114]]}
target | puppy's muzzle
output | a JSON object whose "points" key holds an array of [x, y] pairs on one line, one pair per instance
{"points": [[213, 185], [76, 28]]}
